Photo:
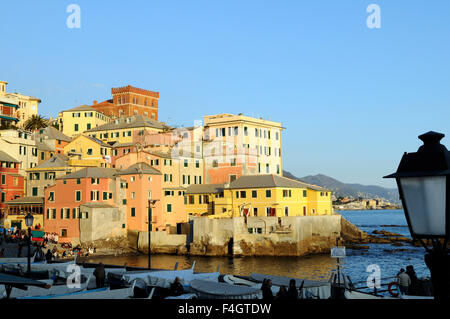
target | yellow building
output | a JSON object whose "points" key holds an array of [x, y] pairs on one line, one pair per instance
{"points": [[123, 129], [258, 195], [28, 105], [75, 121], [87, 151], [258, 137]]}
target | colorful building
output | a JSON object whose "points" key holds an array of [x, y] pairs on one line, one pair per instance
{"points": [[258, 195], [256, 141], [84, 151], [82, 118], [143, 193], [49, 142], [20, 145], [63, 200], [8, 111], [130, 101], [27, 106], [45, 174], [17, 209], [121, 130], [11, 182]]}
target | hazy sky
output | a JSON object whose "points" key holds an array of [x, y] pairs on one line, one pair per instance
{"points": [[352, 99]]}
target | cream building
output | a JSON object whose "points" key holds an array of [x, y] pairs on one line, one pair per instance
{"points": [[20, 145], [256, 137], [82, 118], [28, 105]]}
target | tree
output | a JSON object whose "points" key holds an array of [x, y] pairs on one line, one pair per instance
{"points": [[35, 122]]}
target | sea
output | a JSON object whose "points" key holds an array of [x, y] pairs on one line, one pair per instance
{"points": [[381, 260]]}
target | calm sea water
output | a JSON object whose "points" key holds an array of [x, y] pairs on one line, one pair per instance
{"points": [[388, 257]]}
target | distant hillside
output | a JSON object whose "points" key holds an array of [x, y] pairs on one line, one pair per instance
{"points": [[353, 190]]}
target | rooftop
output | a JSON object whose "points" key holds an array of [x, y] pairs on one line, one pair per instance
{"points": [[128, 122], [205, 188], [91, 172], [7, 158], [139, 168], [270, 181]]}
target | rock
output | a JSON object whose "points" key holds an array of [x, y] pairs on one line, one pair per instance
{"points": [[397, 244], [385, 233]]}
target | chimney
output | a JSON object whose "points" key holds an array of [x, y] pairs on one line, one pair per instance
{"points": [[95, 102]]}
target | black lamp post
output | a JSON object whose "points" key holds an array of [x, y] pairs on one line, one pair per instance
{"points": [[151, 205], [29, 222], [423, 180]]}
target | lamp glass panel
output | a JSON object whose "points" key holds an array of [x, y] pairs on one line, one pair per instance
{"points": [[425, 200], [29, 220]]}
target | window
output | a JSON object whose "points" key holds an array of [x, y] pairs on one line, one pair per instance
{"points": [[105, 196], [133, 211], [267, 168], [243, 194], [286, 211], [304, 210], [185, 163], [255, 211], [245, 130], [76, 128], [35, 191], [63, 232], [233, 162], [215, 163], [89, 151], [132, 195], [67, 213], [77, 196], [78, 181], [169, 208], [197, 163], [304, 193], [132, 179], [51, 196], [88, 126], [268, 211], [268, 193], [191, 199], [3, 179], [254, 194], [95, 195]]}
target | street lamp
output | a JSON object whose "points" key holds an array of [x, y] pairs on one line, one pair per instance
{"points": [[423, 181], [151, 205], [29, 222]]}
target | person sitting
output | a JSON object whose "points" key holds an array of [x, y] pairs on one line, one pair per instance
{"points": [[176, 288], [292, 292]]}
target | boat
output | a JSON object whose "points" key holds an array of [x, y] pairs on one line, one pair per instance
{"points": [[38, 291], [206, 289], [99, 293]]}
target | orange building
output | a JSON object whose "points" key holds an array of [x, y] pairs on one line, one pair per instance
{"points": [[130, 101], [63, 200], [143, 192]]}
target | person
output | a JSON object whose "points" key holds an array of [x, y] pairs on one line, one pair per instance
{"points": [[403, 281], [292, 292], [267, 290], [176, 288], [2, 252], [48, 255], [99, 274], [414, 287], [19, 254], [282, 293]]}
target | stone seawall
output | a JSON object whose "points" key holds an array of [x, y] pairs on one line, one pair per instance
{"points": [[254, 236], [268, 236]]}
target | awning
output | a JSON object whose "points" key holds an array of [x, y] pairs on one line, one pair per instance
{"points": [[9, 118], [19, 282]]}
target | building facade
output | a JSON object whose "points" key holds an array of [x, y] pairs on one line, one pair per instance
{"points": [[82, 118]]}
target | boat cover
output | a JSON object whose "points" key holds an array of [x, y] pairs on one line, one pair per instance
{"points": [[311, 289], [219, 290]]}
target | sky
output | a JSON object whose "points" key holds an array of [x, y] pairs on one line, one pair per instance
{"points": [[352, 98]]}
